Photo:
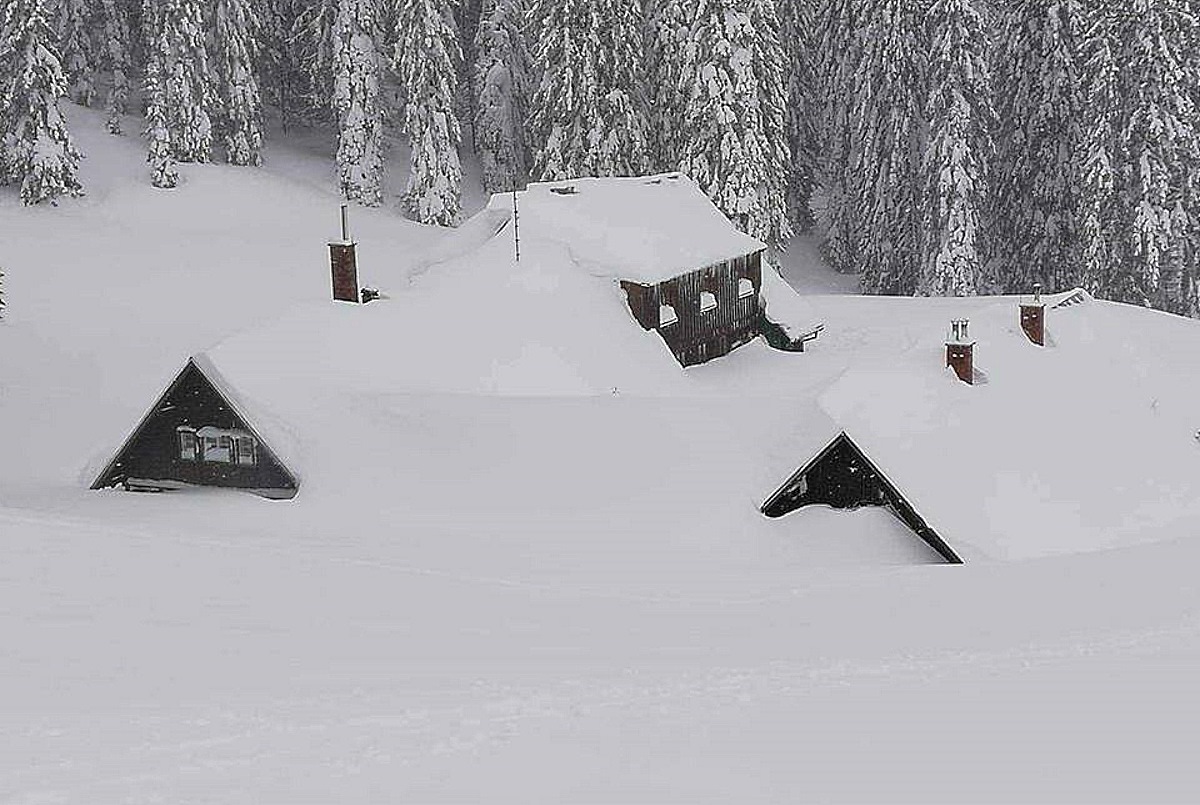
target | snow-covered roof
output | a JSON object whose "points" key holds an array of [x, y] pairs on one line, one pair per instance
{"points": [[785, 307], [1086, 443], [529, 385], [644, 229]]}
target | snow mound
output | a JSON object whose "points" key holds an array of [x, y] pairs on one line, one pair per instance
{"points": [[1084, 444]]}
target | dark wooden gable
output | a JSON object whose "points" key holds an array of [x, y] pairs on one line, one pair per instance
{"points": [[843, 477], [697, 333], [152, 457]]}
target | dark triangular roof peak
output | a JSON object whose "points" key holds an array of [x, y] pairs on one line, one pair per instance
{"points": [[162, 451]]}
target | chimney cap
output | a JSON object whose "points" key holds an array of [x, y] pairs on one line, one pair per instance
{"points": [[959, 332]]}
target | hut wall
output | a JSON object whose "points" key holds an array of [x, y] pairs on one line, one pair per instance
{"points": [[153, 454], [642, 303], [698, 335]]}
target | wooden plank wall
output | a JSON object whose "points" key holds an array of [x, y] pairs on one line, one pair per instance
{"points": [[699, 336]]}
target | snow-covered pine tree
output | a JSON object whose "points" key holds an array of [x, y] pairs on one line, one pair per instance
{"points": [[1158, 138], [669, 24], [425, 57], [303, 58], [237, 28], [175, 29], [1040, 144], [35, 145], [958, 150], [75, 25], [620, 144], [116, 57], [797, 20], [500, 78], [738, 151], [468, 15], [841, 216], [1101, 271], [355, 101], [887, 114], [157, 133], [563, 104], [588, 113]]}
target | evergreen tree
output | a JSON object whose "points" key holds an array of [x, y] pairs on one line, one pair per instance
{"points": [[738, 151], [74, 24], [620, 140], [1100, 268], [35, 145], [957, 150], [842, 216], [304, 58], [174, 31], [157, 133], [562, 106], [797, 20], [468, 15], [1038, 208], [1158, 137], [587, 115], [425, 57], [356, 101], [669, 25], [501, 79], [887, 114], [116, 56], [237, 28]]}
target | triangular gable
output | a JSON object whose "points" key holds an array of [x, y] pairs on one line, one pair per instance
{"points": [[842, 476], [156, 454]]}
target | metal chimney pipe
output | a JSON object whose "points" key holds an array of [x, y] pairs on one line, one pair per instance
{"points": [[345, 225]]}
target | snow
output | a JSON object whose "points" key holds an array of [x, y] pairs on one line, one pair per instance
{"points": [[642, 229], [526, 562], [785, 307]]}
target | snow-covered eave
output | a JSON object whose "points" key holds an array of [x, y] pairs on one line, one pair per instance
{"points": [[102, 463]]}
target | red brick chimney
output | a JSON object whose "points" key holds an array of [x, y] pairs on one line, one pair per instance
{"points": [[960, 351], [1033, 317], [344, 265]]}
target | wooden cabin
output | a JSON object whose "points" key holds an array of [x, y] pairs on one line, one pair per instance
{"points": [[196, 436], [704, 313], [686, 271]]}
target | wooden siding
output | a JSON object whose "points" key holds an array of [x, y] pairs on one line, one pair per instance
{"points": [[152, 453], [641, 303], [697, 336]]}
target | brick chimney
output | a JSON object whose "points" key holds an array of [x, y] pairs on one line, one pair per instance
{"points": [[1033, 317], [343, 265], [960, 351]]}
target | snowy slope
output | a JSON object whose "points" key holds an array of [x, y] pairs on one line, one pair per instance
{"points": [[483, 593]]}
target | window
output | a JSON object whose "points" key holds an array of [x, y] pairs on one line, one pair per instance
{"points": [[708, 301], [220, 445], [187, 445], [245, 450], [666, 315], [745, 287]]}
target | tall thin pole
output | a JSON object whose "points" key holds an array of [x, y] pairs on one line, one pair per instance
{"points": [[516, 221]]}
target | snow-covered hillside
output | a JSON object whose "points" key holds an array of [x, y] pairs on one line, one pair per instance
{"points": [[482, 593]]}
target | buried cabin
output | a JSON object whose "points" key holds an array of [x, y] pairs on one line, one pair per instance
{"points": [[196, 436], [685, 271]]}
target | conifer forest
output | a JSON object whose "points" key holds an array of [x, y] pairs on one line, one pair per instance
{"points": [[933, 147]]}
